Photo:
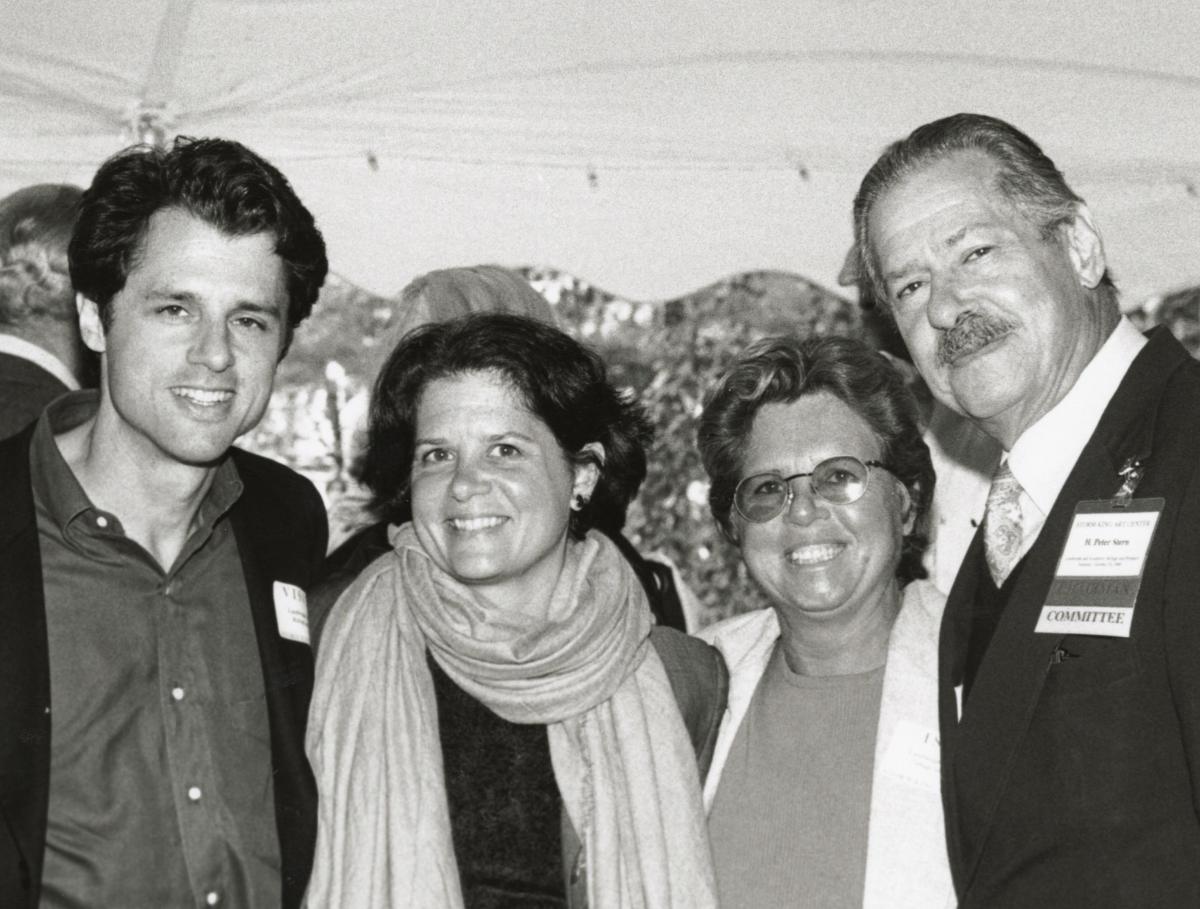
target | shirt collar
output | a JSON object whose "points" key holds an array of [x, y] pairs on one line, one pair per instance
{"points": [[1043, 457], [57, 488], [19, 347], [54, 482]]}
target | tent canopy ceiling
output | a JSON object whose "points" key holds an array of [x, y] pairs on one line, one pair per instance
{"points": [[648, 148]]}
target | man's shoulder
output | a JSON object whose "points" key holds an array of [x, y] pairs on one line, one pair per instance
{"points": [[16, 445], [25, 389], [1181, 391], [1155, 410], [281, 511], [14, 366], [16, 493], [14, 457], [1159, 400], [1165, 372], [275, 497], [265, 475]]}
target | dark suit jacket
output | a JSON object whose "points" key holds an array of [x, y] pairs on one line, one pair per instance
{"points": [[25, 388], [1076, 781], [279, 523]]}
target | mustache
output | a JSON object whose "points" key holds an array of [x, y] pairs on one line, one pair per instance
{"points": [[968, 335]]}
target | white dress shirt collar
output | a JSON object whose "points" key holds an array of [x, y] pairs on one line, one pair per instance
{"points": [[1043, 457], [19, 347]]}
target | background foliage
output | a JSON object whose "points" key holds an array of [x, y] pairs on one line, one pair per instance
{"points": [[668, 354]]}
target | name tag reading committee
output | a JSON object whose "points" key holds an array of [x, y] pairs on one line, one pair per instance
{"points": [[1100, 570]]}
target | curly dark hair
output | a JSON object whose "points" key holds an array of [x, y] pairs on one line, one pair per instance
{"points": [[559, 380], [219, 181], [782, 370]]}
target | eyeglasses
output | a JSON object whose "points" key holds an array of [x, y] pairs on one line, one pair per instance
{"points": [[838, 481]]}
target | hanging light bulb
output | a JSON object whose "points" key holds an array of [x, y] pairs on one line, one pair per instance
{"points": [[148, 124]]}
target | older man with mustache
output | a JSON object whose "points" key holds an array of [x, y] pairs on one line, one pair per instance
{"points": [[1069, 678]]}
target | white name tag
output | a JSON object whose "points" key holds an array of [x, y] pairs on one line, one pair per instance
{"points": [[1099, 573], [291, 612], [914, 755], [1112, 622], [1107, 545]]}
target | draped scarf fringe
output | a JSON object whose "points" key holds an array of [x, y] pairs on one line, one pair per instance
{"points": [[621, 754]]}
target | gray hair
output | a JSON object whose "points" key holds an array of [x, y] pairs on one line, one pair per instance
{"points": [[1025, 175]]}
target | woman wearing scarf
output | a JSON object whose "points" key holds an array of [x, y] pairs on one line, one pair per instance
{"points": [[439, 296], [496, 722]]}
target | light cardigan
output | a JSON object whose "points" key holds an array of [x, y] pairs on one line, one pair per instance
{"points": [[907, 865]]}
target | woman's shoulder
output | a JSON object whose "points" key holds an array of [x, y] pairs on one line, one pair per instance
{"points": [[689, 661], [700, 683], [913, 647], [357, 570], [921, 609]]}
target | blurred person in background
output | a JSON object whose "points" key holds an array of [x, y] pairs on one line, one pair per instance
{"points": [[497, 722], [824, 787], [438, 297], [41, 353], [154, 661]]}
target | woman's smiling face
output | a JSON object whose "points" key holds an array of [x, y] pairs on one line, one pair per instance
{"points": [[815, 559], [491, 490]]}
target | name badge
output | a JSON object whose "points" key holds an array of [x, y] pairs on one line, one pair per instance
{"points": [[914, 755], [1100, 570], [291, 612]]}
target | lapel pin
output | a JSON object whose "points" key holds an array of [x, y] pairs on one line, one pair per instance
{"points": [[1131, 474]]}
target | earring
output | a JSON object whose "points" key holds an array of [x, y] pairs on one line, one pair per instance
{"points": [[578, 501]]}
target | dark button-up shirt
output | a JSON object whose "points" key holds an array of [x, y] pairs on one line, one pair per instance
{"points": [[160, 775]]}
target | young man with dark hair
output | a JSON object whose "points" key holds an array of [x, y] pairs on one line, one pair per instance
{"points": [[154, 664]]}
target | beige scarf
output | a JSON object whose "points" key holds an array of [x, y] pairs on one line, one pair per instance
{"points": [[621, 755]]}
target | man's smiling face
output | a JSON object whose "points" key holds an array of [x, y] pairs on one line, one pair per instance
{"points": [[997, 318], [189, 356]]}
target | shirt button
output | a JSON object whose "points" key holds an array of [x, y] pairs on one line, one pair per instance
{"points": [[101, 521], [177, 694], [212, 897], [194, 793]]}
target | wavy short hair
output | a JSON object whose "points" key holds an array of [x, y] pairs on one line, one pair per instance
{"points": [[559, 380], [219, 181], [35, 228], [782, 370], [1025, 176]]}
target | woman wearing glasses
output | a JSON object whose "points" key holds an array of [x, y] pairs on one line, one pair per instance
{"points": [[824, 788]]}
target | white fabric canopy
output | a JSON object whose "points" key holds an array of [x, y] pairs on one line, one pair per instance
{"points": [[649, 148]]}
